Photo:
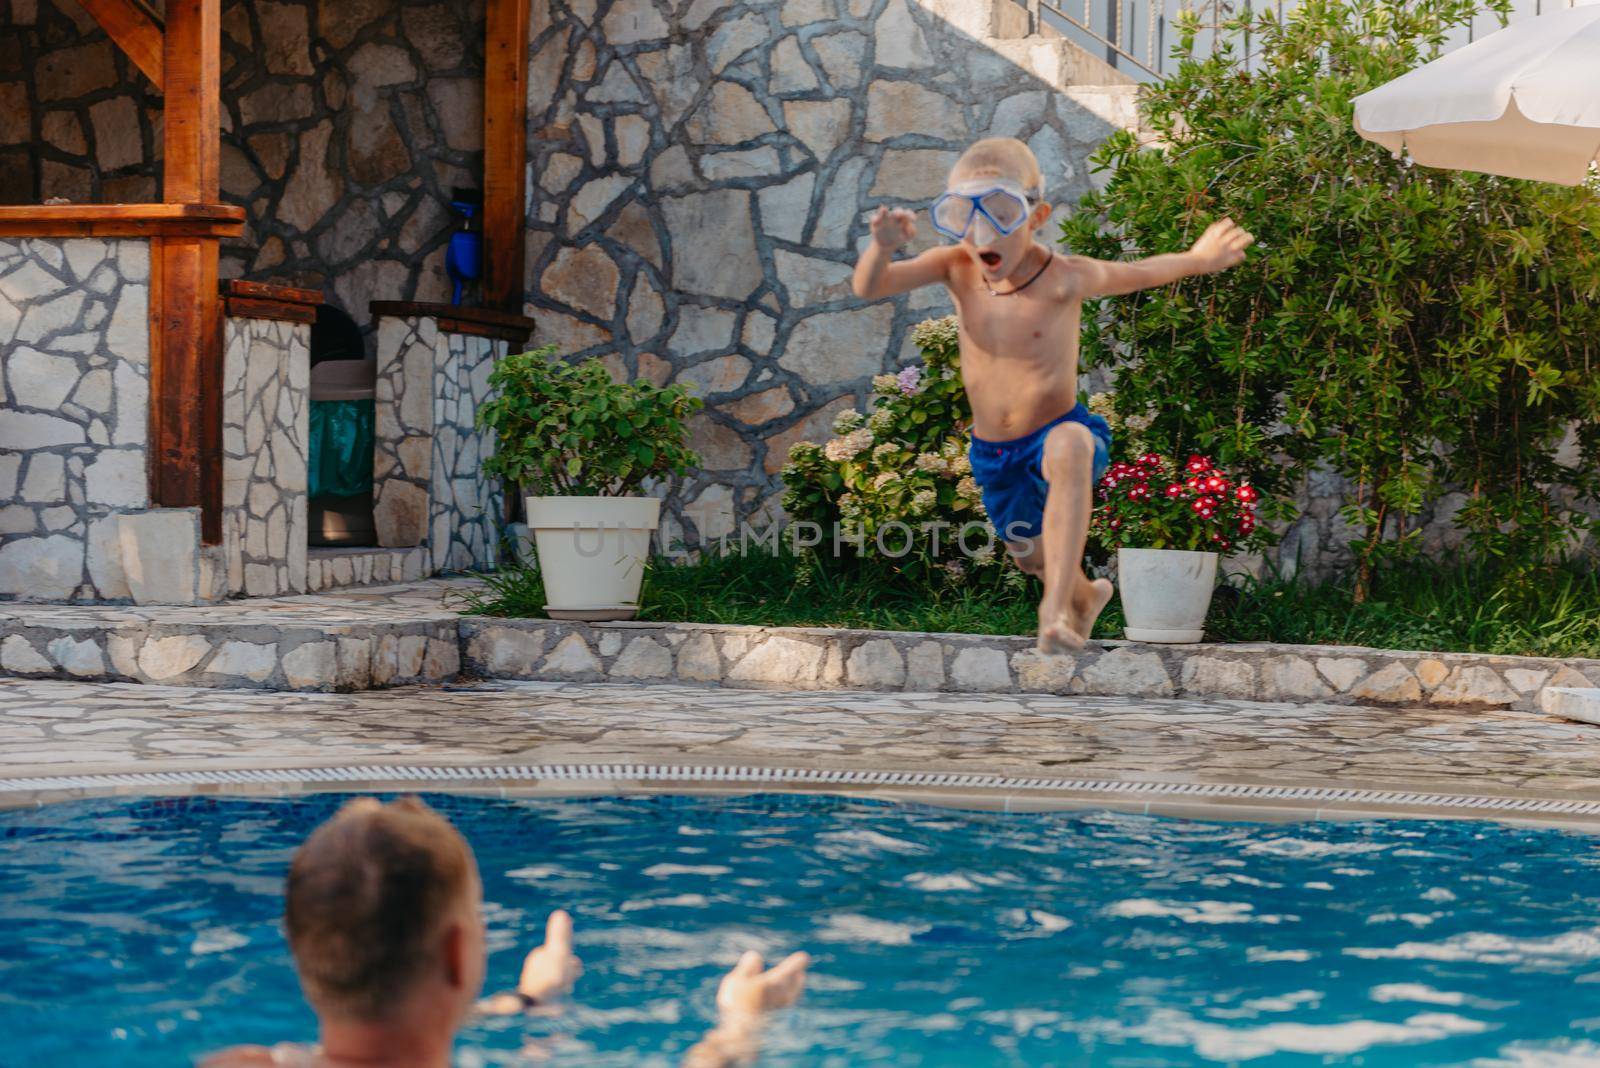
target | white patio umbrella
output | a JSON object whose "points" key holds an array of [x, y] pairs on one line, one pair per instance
{"points": [[1523, 102]]}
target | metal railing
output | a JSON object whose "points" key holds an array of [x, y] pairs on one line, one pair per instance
{"points": [[1136, 36]]}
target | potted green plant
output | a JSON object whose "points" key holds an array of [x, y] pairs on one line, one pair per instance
{"points": [[581, 446], [1168, 525]]}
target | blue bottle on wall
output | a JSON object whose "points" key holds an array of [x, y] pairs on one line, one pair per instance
{"points": [[464, 259]]}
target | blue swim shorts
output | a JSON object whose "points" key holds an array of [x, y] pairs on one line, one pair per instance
{"points": [[1011, 474]]}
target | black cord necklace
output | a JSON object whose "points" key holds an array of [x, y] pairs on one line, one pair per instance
{"points": [[1045, 266]]}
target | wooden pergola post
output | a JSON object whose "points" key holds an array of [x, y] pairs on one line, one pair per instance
{"points": [[505, 151], [186, 338]]}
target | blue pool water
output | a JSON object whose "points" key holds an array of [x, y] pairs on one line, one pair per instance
{"points": [[146, 932]]}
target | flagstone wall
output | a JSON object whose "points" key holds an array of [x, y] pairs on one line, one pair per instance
{"points": [[701, 173], [428, 482], [346, 124], [75, 358], [266, 428]]}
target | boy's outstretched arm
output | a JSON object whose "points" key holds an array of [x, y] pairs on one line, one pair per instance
{"points": [[1220, 247], [878, 276]]}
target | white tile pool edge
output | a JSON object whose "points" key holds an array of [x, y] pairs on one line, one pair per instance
{"points": [[1236, 801]]}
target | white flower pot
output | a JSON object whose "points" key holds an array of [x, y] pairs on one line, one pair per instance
{"points": [[592, 552], [1166, 593]]}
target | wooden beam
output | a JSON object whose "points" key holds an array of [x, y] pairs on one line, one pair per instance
{"points": [[121, 220], [186, 378], [193, 112], [136, 31], [505, 151], [284, 311], [238, 287]]}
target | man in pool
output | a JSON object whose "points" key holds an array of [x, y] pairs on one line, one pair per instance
{"points": [[1036, 452], [384, 916]]}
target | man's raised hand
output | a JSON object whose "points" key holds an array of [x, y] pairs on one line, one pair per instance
{"points": [[892, 230], [550, 970], [748, 989], [1222, 245]]}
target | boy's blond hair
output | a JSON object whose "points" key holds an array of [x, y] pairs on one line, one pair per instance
{"points": [[1001, 157]]}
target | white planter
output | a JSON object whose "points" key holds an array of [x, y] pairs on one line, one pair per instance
{"points": [[1166, 593], [592, 552]]}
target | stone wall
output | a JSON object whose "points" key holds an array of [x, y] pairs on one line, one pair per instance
{"points": [[265, 442], [701, 173], [428, 485], [346, 123], [75, 352]]}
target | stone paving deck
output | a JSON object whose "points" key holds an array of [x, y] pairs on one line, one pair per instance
{"points": [[1228, 758]]}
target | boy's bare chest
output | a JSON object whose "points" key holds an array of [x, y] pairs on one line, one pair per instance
{"points": [[1024, 327]]}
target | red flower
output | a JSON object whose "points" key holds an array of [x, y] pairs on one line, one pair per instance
{"points": [[1222, 543], [1116, 524], [1216, 485], [1247, 523], [1139, 492], [1193, 483], [1245, 492], [1175, 490], [1151, 459], [1198, 464]]}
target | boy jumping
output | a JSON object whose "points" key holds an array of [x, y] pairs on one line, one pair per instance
{"points": [[1036, 452]]}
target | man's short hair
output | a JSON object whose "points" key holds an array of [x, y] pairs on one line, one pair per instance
{"points": [[368, 894], [1002, 157]]}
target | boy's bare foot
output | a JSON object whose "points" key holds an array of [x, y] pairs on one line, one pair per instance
{"points": [[1056, 635], [1088, 609]]}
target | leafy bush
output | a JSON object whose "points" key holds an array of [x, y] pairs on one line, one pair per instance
{"points": [[899, 476], [1413, 330], [1152, 503], [569, 429]]}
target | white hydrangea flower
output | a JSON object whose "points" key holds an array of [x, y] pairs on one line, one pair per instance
{"points": [[881, 420], [922, 501], [847, 421], [933, 333], [848, 447], [885, 384], [885, 479], [932, 463], [968, 487], [884, 451]]}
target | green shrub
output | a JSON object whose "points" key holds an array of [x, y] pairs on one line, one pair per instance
{"points": [[569, 429], [899, 477], [1414, 330]]}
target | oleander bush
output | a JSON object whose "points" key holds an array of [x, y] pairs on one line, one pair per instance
{"points": [[1416, 331]]}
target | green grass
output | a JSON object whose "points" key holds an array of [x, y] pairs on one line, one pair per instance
{"points": [[1443, 608]]}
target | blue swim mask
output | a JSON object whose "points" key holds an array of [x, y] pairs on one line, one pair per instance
{"points": [[988, 207]]}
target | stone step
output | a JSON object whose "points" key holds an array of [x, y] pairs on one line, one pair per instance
{"points": [[377, 637], [1003, 28], [1570, 702], [817, 658], [350, 640]]}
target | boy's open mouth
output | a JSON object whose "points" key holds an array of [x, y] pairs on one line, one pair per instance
{"points": [[990, 258]]}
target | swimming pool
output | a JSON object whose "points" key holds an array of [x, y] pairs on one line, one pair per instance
{"points": [[145, 932]]}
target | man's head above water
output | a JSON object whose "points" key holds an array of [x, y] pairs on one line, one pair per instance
{"points": [[383, 906]]}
